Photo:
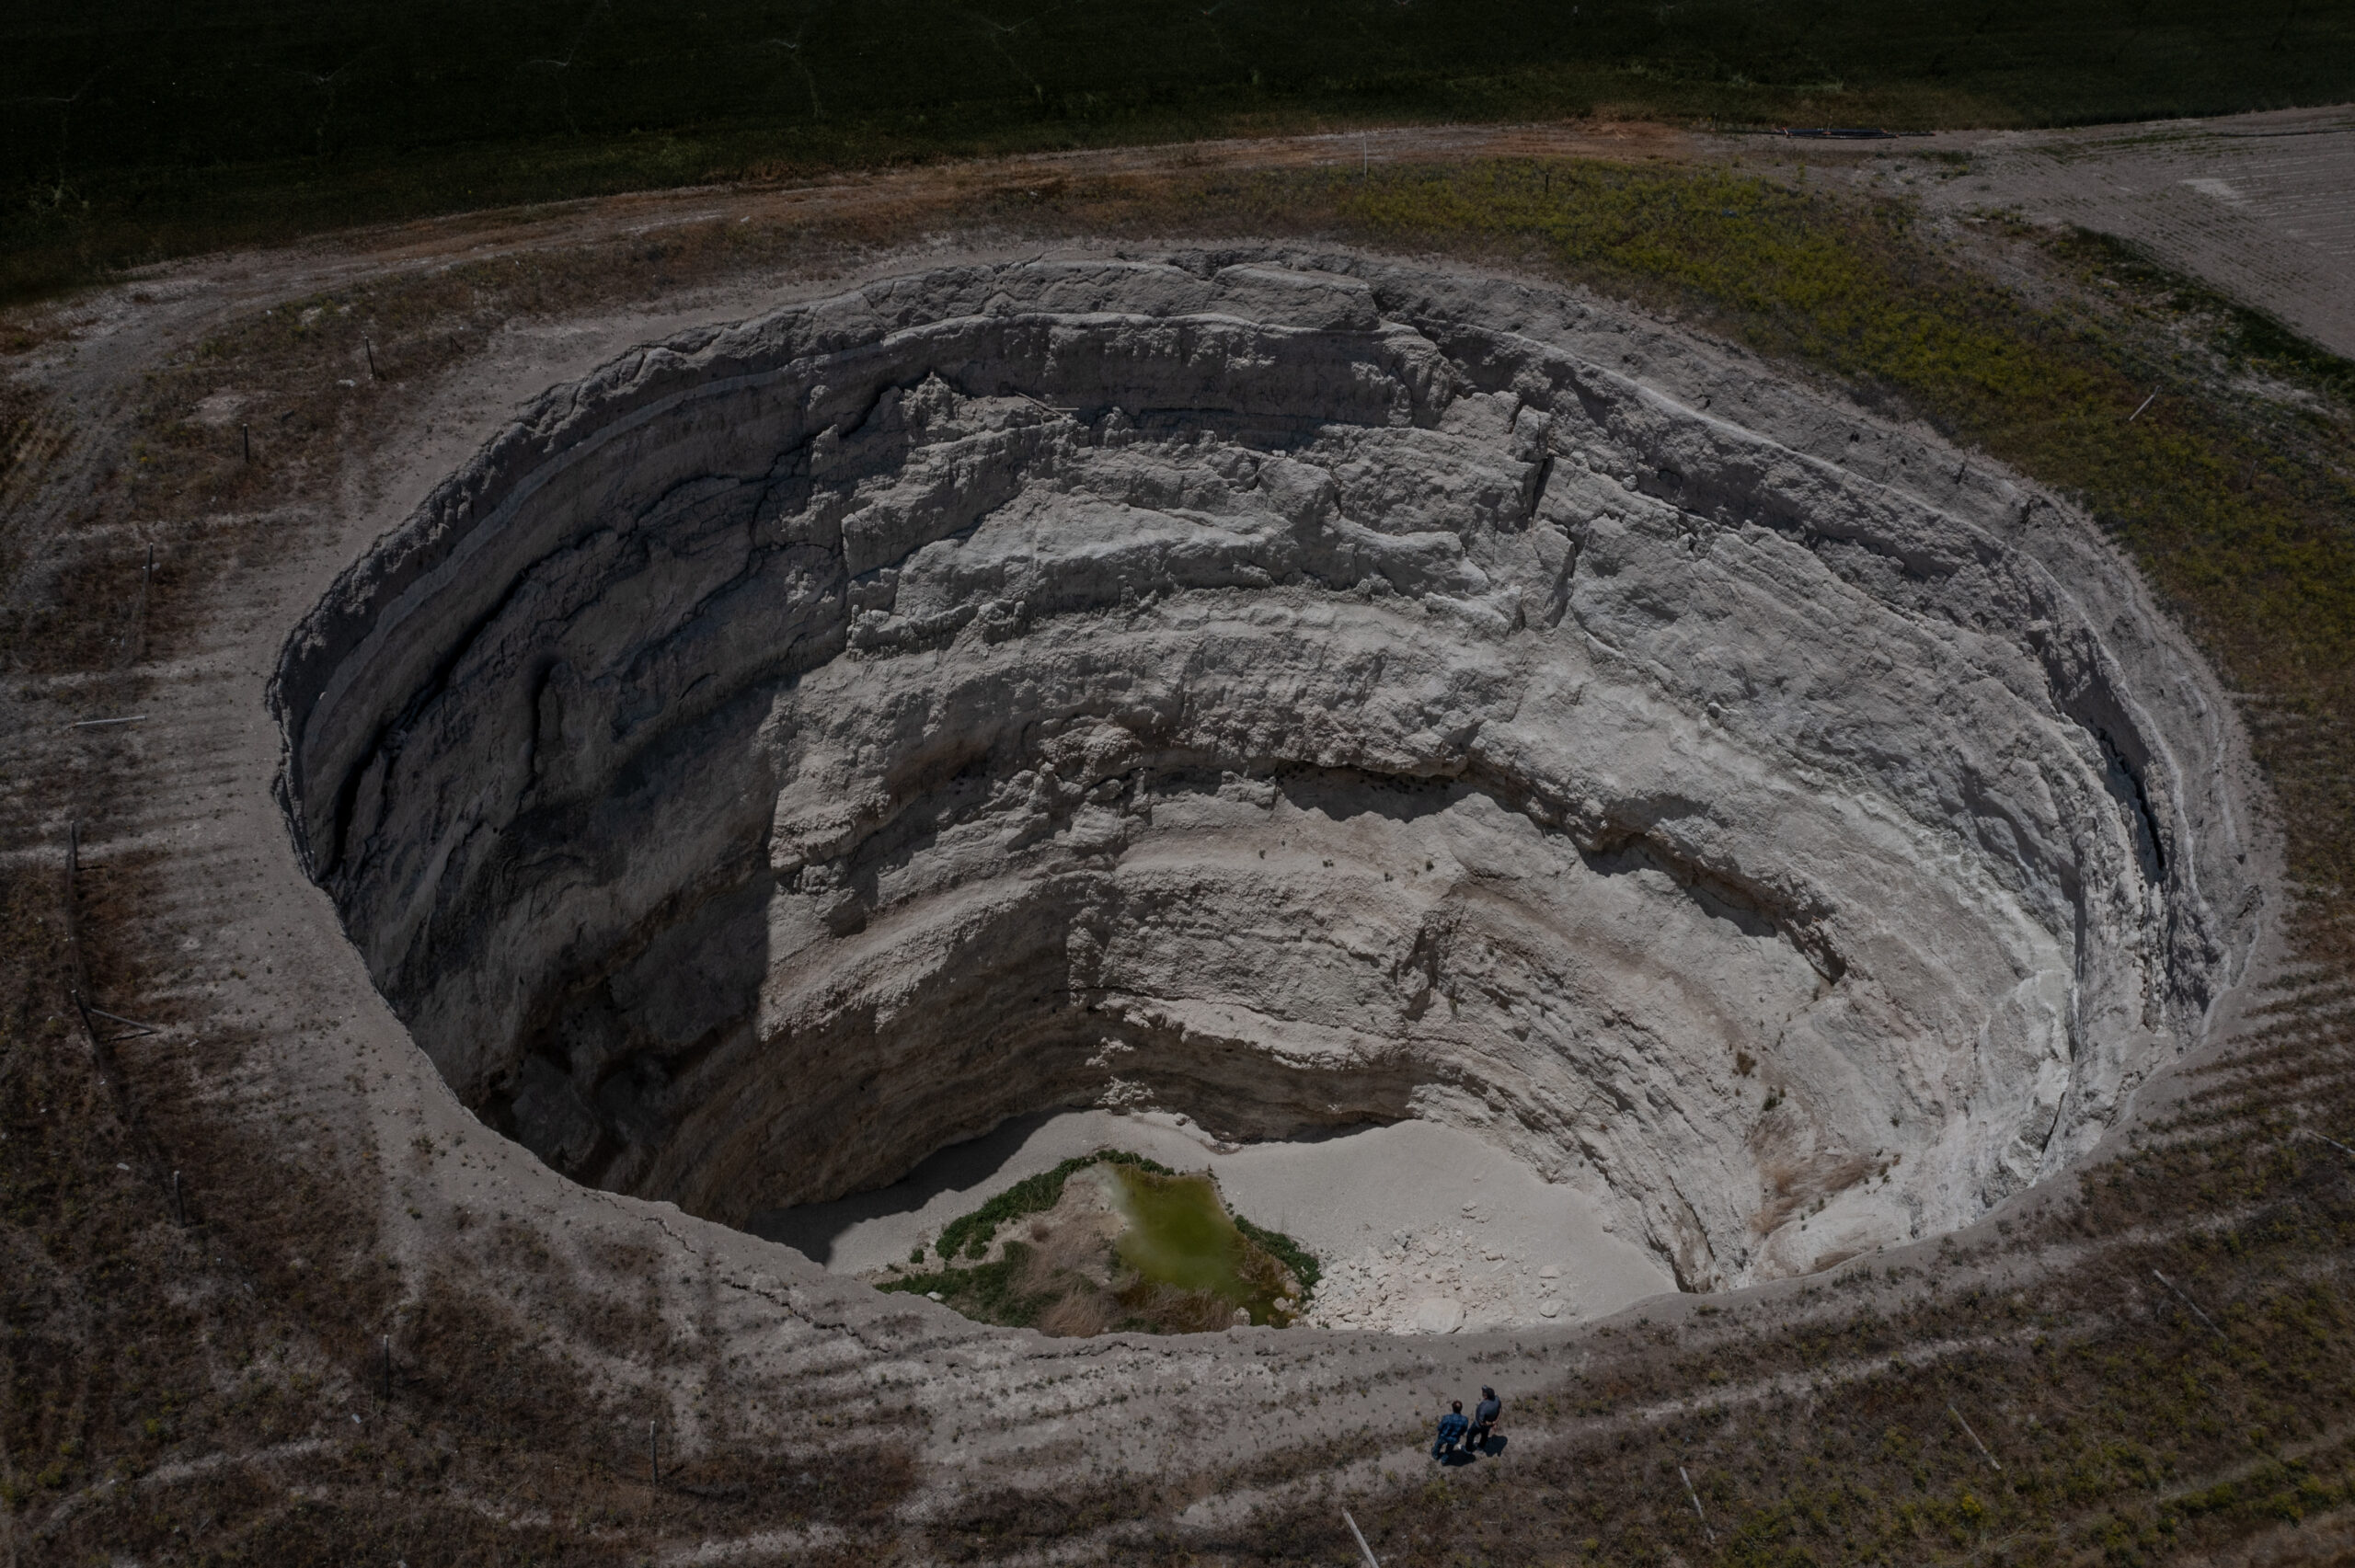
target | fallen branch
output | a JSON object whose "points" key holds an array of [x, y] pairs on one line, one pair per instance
{"points": [[2332, 1141], [1974, 1437], [1696, 1507], [2187, 1301]]}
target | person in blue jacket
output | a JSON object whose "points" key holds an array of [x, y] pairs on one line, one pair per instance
{"points": [[1452, 1428]]}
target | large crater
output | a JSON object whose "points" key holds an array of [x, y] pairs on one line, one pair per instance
{"points": [[1296, 691]]}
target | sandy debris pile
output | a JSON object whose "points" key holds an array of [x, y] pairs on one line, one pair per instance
{"points": [[1439, 1283]]}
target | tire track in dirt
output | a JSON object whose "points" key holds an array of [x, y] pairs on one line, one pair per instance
{"points": [[2256, 206]]}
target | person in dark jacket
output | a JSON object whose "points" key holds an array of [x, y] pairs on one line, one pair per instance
{"points": [[1451, 1431], [1484, 1420]]}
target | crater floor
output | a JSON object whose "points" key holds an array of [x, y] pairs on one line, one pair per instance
{"points": [[1420, 1228], [1317, 697]]}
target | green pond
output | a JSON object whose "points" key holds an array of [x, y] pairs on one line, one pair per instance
{"points": [[1178, 1233]]}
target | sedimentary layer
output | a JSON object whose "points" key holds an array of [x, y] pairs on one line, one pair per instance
{"points": [[1293, 689]]}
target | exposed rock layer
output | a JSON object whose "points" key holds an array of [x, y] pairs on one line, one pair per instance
{"points": [[1295, 690]]}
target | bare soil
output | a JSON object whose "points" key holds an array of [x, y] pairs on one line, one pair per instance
{"points": [[357, 1318]]}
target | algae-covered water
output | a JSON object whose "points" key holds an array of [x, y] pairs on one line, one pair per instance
{"points": [[1178, 1233]]}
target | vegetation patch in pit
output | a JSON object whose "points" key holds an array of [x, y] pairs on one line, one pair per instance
{"points": [[1129, 1246]]}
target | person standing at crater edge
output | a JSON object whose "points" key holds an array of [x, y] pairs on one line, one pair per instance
{"points": [[1484, 1420]]}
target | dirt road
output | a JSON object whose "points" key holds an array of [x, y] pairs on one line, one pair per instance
{"points": [[2256, 205], [2261, 206]]}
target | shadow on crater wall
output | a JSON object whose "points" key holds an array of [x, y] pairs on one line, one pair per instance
{"points": [[1296, 691]]}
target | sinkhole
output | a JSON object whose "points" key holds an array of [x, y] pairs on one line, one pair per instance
{"points": [[1287, 697]]}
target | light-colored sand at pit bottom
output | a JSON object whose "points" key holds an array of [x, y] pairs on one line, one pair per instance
{"points": [[1419, 1227]]}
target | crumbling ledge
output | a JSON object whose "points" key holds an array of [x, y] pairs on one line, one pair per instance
{"points": [[1291, 688]]}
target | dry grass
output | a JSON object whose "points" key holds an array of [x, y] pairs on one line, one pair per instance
{"points": [[190, 1366]]}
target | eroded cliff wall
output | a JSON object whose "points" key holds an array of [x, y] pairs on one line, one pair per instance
{"points": [[1296, 689]]}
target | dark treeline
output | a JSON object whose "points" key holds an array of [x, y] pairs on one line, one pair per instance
{"points": [[288, 106]]}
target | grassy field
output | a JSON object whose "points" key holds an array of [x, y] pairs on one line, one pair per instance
{"points": [[138, 131], [2136, 1421]]}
